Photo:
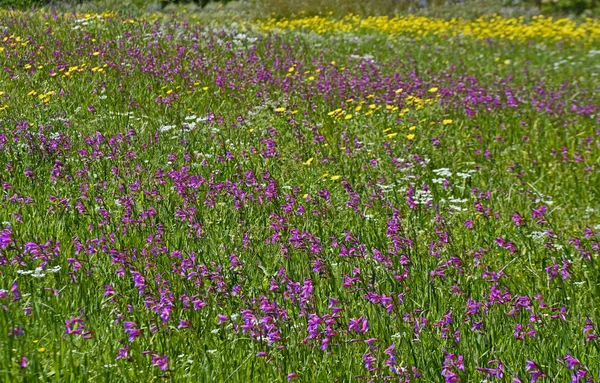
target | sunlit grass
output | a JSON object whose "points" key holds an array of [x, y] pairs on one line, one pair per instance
{"points": [[403, 199]]}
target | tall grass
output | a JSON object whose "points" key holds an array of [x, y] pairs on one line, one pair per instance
{"points": [[313, 200]]}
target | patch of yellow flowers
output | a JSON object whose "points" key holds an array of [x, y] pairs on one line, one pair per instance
{"points": [[494, 27]]}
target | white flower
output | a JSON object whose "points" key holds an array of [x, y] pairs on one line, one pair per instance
{"points": [[166, 128], [443, 172]]}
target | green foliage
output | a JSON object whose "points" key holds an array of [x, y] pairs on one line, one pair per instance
{"points": [[23, 4], [570, 6], [121, 134]]}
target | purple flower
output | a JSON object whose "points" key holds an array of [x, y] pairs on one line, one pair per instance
{"points": [[517, 219], [160, 361], [131, 331], [571, 362], [497, 371], [5, 237], [450, 376], [538, 213], [22, 362], [534, 370], [184, 324], [589, 331], [122, 353], [108, 291], [370, 362], [360, 325]]}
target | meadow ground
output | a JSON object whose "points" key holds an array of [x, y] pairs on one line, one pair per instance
{"points": [[313, 200]]}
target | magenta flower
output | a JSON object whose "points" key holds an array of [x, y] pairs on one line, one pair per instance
{"points": [[160, 361], [497, 371], [131, 331], [571, 362], [517, 219], [122, 353], [360, 325], [5, 237], [22, 362], [534, 370]]}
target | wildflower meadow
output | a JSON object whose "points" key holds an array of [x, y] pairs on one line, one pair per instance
{"points": [[305, 199]]}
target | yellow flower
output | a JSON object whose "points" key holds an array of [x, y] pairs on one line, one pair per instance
{"points": [[95, 53], [325, 175], [279, 110], [309, 161], [335, 178], [391, 135], [410, 136], [447, 122], [507, 62], [42, 349], [433, 90], [348, 116]]}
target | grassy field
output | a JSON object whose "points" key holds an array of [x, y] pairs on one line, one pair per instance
{"points": [[310, 199]]}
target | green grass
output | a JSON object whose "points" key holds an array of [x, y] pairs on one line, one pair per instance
{"points": [[117, 173]]}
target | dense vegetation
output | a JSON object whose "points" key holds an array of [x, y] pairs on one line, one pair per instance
{"points": [[308, 199]]}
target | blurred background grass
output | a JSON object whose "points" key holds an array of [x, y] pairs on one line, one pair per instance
{"points": [[334, 8]]}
